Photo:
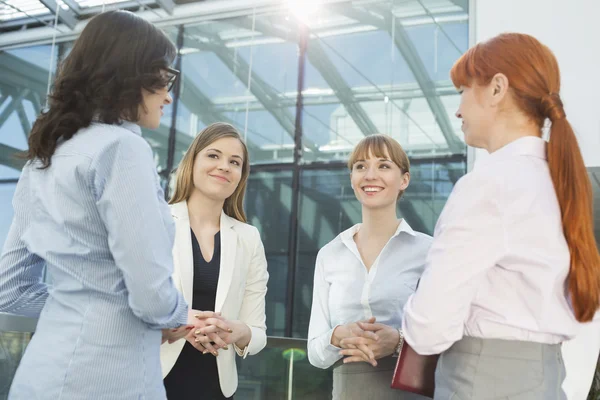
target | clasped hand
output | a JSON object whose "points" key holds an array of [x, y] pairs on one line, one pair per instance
{"points": [[366, 341], [212, 332]]}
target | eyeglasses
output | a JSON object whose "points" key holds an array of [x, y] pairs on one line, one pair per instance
{"points": [[172, 76]]}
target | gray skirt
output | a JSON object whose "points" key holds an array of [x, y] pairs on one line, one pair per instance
{"points": [[486, 369], [362, 381]]}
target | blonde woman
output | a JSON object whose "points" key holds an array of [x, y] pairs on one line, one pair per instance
{"points": [[220, 267], [363, 278]]}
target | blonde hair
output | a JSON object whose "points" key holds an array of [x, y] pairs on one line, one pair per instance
{"points": [[184, 184], [378, 145]]}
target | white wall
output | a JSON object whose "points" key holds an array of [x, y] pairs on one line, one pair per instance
{"points": [[572, 30]]}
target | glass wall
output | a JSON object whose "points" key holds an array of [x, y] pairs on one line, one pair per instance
{"points": [[358, 69]]}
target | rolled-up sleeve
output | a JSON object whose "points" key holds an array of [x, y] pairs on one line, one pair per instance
{"points": [[469, 240], [129, 201], [321, 353]]}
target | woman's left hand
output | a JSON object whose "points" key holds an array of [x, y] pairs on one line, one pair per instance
{"points": [[229, 331], [384, 346]]}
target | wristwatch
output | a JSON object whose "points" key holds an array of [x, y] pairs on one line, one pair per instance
{"points": [[398, 349]]}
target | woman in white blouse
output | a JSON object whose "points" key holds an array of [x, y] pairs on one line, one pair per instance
{"points": [[363, 278], [514, 266]]}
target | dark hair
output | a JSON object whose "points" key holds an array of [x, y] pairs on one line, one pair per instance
{"points": [[116, 56], [534, 77]]}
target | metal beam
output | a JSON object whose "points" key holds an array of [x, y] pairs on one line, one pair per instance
{"points": [[167, 5], [198, 103], [8, 157], [18, 73], [334, 79], [399, 91], [412, 58], [3, 99], [319, 59], [36, 101], [67, 17], [72, 4], [409, 212], [267, 96], [14, 104], [24, 120], [464, 4]]}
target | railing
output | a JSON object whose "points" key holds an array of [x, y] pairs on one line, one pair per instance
{"points": [[280, 372]]}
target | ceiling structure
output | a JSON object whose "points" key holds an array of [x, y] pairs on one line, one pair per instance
{"points": [[31, 22]]}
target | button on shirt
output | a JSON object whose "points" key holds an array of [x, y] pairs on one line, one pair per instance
{"points": [[345, 291], [499, 260]]}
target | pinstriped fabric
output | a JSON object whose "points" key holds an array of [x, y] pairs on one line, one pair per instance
{"points": [[96, 219]]}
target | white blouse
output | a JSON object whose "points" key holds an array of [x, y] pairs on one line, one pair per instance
{"points": [[499, 260], [344, 291]]}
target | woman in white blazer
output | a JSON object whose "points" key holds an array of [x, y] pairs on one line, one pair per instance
{"points": [[220, 267]]}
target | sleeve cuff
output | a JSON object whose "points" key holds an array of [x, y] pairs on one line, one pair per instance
{"points": [[242, 352], [331, 353]]}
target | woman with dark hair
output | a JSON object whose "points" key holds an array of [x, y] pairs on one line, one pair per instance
{"points": [[220, 267], [514, 265], [90, 211]]}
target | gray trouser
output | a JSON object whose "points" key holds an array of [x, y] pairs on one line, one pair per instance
{"points": [[486, 369], [362, 381]]}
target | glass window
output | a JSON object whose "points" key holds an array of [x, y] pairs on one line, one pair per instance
{"points": [[12, 347], [282, 371], [594, 173], [268, 208], [6, 194], [328, 206], [23, 87], [244, 77], [382, 68]]}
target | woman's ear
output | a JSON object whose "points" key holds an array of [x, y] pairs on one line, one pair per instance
{"points": [[405, 181]]}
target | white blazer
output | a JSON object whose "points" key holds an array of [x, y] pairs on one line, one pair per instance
{"points": [[241, 288]]}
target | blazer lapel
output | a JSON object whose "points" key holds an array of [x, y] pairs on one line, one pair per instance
{"points": [[183, 256], [228, 253]]}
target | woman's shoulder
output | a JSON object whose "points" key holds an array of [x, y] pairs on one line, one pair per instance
{"points": [[334, 247], [245, 229], [100, 141]]}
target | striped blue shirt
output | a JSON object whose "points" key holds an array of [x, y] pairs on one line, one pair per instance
{"points": [[96, 220]]}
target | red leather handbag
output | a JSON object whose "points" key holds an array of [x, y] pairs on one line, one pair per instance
{"points": [[414, 373]]}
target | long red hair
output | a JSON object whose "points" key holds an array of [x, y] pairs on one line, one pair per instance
{"points": [[534, 77]]}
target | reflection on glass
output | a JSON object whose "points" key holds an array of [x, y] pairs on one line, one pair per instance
{"points": [[232, 74], [268, 208], [6, 193], [328, 206], [384, 68], [274, 375], [12, 347], [23, 87]]}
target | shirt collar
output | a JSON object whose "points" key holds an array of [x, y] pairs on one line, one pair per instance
{"points": [[130, 126], [526, 146], [348, 235]]}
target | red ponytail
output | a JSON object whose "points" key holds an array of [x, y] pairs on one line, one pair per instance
{"points": [[534, 77]]}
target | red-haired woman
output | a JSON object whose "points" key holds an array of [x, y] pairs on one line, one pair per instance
{"points": [[514, 266]]}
